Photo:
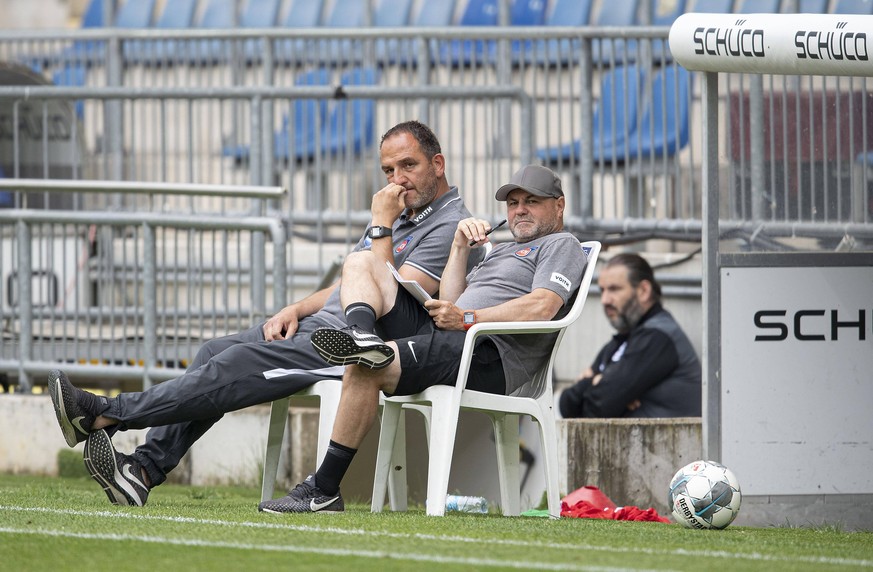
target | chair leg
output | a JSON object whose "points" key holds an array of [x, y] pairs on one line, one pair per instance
{"points": [[329, 396], [444, 427], [384, 451], [506, 440], [549, 445], [275, 436], [398, 494]]}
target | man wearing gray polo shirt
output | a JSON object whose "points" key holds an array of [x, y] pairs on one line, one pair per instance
{"points": [[533, 278], [414, 218]]}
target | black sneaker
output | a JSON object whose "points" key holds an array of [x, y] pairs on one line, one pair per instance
{"points": [[305, 497], [350, 345], [75, 409], [120, 475]]}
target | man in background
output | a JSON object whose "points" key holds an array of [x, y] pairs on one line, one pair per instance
{"points": [[649, 368]]}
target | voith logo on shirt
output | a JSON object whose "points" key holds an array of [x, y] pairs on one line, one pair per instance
{"points": [[423, 215], [561, 281]]}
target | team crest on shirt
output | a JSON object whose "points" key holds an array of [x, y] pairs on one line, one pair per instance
{"points": [[525, 251], [402, 246]]}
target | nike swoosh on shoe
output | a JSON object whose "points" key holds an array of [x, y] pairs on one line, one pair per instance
{"points": [[317, 506], [128, 474], [78, 424]]}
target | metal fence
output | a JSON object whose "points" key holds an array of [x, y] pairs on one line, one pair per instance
{"points": [[135, 293], [630, 172], [609, 110]]}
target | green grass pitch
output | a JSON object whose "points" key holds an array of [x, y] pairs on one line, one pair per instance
{"points": [[67, 524]]}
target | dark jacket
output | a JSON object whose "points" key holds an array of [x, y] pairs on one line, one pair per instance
{"points": [[654, 363]]}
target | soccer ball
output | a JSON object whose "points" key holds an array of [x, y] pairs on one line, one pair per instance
{"points": [[704, 494]]}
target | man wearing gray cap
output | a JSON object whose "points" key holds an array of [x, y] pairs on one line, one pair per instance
{"points": [[535, 277]]}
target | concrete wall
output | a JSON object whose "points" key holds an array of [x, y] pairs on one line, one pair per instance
{"points": [[630, 460]]}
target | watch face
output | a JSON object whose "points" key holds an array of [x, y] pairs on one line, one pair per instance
{"points": [[469, 317], [378, 231]]}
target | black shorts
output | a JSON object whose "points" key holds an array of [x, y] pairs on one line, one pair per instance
{"points": [[430, 356]]}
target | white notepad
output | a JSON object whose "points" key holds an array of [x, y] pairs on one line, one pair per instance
{"points": [[410, 286]]}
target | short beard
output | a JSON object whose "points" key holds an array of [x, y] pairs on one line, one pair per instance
{"points": [[425, 195], [628, 317], [540, 229]]}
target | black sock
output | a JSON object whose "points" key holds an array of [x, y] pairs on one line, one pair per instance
{"points": [[361, 315], [333, 468]]}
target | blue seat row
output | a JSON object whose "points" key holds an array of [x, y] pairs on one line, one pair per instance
{"points": [[319, 127], [623, 128], [221, 14]]}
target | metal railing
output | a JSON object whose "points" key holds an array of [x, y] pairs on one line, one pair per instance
{"points": [[132, 292], [558, 69]]}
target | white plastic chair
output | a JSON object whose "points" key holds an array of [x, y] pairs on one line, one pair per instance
{"points": [[327, 391], [442, 404]]}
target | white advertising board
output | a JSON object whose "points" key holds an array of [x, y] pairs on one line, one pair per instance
{"points": [[826, 44], [797, 379]]}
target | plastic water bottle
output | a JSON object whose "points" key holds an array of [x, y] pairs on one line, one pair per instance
{"points": [[466, 504]]}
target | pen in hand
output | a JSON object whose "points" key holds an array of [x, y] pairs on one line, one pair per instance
{"points": [[493, 228]]}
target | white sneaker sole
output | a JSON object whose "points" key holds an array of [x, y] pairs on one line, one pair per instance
{"points": [[57, 395], [339, 348], [102, 465]]}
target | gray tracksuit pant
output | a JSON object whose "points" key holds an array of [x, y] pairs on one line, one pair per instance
{"points": [[227, 374]]}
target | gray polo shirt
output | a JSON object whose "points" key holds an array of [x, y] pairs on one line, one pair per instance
{"points": [[555, 262], [422, 241]]}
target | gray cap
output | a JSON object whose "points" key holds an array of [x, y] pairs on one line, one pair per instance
{"points": [[536, 180]]}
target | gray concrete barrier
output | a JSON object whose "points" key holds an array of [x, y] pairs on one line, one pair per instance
{"points": [[631, 460]]}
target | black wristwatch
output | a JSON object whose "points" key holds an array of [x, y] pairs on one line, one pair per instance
{"points": [[379, 231]]}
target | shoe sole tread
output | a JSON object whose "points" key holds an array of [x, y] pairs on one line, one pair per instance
{"points": [[101, 463], [339, 348]]}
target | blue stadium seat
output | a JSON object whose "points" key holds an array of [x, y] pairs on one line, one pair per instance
{"points": [[664, 13], [713, 6], [258, 14], [392, 14], [665, 126], [7, 199], [301, 14], [522, 13], [92, 17], [131, 14], [405, 52], [296, 138], [613, 121], [853, 7], [345, 14], [343, 137], [177, 15], [435, 14], [662, 130], [486, 13], [808, 6], [219, 15], [458, 53], [561, 52], [758, 6], [72, 74], [134, 14], [346, 128], [614, 13]]}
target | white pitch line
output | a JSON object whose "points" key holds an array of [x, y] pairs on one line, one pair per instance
{"points": [[340, 552], [754, 556]]}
